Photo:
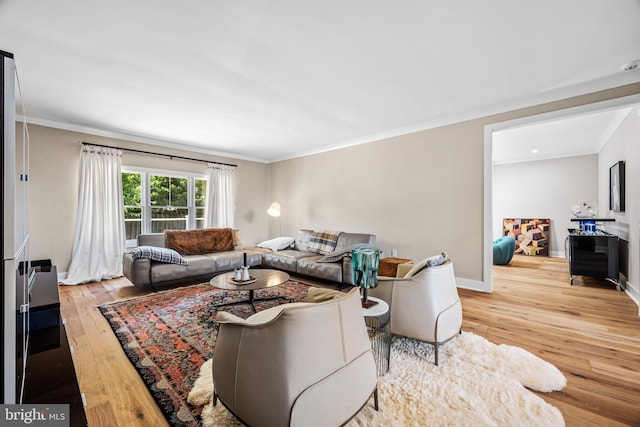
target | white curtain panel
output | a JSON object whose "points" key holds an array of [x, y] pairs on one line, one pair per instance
{"points": [[221, 196], [99, 238]]}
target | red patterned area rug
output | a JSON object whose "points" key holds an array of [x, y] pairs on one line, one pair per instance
{"points": [[168, 335]]}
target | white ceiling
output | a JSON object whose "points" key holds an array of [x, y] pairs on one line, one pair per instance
{"points": [[270, 80], [571, 136]]}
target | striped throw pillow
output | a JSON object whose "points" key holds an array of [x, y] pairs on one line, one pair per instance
{"points": [[323, 242]]}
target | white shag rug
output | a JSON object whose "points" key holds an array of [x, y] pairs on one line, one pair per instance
{"points": [[477, 383]]}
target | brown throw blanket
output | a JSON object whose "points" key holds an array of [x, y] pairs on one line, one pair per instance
{"points": [[203, 241]]}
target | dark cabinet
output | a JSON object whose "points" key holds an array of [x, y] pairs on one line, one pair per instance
{"points": [[594, 254], [49, 375]]}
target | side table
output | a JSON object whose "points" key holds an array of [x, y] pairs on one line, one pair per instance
{"points": [[389, 266], [377, 319]]}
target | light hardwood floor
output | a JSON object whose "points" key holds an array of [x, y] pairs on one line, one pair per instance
{"points": [[590, 331]]}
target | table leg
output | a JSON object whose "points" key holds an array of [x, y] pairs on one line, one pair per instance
{"points": [[251, 301]]}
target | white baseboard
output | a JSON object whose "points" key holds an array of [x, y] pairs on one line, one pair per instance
{"points": [[633, 293], [557, 254], [474, 285]]}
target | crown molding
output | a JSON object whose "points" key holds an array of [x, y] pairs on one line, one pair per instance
{"points": [[596, 85], [609, 82], [131, 137]]}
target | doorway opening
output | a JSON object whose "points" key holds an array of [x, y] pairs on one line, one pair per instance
{"points": [[493, 133]]}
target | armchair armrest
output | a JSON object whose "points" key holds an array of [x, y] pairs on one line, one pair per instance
{"points": [[259, 319], [385, 287], [393, 279]]}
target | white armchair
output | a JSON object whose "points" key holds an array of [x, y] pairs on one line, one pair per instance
{"points": [[425, 304], [298, 364]]}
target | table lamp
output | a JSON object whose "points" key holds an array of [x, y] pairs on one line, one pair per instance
{"points": [[365, 271]]}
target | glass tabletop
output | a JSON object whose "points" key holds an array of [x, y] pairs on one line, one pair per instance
{"points": [[265, 278]]}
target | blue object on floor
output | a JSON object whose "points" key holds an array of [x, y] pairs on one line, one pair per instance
{"points": [[503, 250]]}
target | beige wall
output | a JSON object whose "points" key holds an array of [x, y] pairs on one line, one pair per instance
{"points": [[53, 197], [420, 193], [403, 190]]}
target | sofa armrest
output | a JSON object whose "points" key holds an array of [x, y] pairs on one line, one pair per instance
{"points": [[347, 271], [138, 271]]}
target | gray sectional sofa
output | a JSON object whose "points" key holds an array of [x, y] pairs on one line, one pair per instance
{"points": [[165, 268]]}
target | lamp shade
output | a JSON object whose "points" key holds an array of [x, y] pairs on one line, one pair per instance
{"points": [[274, 209]]}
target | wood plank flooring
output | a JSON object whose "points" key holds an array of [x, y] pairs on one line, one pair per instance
{"points": [[590, 331]]}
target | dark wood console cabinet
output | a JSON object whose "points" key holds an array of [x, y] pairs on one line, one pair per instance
{"points": [[50, 375], [594, 254]]}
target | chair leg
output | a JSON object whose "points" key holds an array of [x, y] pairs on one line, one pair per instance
{"points": [[375, 399], [436, 352], [215, 398]]}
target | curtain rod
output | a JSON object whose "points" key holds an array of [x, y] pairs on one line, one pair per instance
{"points": [[171, 156]]}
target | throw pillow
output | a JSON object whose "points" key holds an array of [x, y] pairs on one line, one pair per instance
{"points": [[302, 240], [154, 253], [323, 242], [277, 244], [436, 259]]}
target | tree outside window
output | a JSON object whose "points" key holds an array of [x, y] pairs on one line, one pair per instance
{"points": [[154, 203], [169, 203], [201, 194], [132, 200]]}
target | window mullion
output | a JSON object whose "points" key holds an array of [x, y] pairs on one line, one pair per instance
{"points": [[191, 202], [146, 208]]}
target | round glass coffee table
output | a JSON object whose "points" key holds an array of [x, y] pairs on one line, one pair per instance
{"points": [[264, 278]]}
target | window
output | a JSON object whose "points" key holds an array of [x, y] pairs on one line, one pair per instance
{"points": [[168, 201], [157, 201], [132, 200]]}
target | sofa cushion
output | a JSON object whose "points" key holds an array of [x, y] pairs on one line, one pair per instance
{"points": [[346, 240], [310, 266], [302, 240], [151, 239], [337, 255], [154, 253], [284, 260], [237, 240], [201, 241], [323, 242], [227, 261], [199, 265], [277, 244]]}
